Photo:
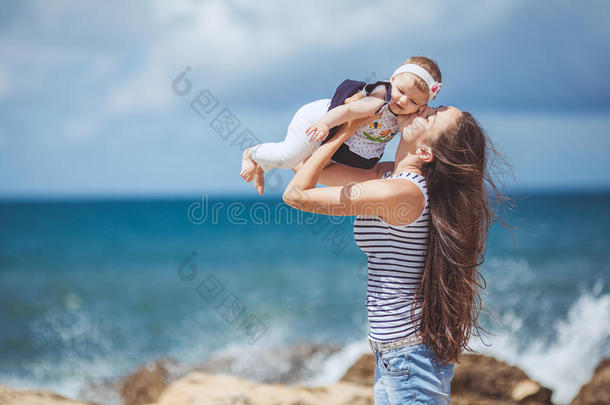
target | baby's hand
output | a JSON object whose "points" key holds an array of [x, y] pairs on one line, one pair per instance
{"points": [[318, 131]]}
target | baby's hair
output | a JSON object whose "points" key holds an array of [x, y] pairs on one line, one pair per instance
{"points": [[430, 66]]}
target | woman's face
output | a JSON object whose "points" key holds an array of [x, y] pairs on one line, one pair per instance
{"points": [[429, 125]]}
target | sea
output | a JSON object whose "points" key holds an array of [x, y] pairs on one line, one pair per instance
{"points": [[91, 289]]}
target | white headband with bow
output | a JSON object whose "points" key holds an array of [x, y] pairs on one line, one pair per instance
{"points": [[419, 71]]}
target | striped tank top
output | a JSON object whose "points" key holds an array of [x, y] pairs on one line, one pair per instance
{"points": [[396, 260]]}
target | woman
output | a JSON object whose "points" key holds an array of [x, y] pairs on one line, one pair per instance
{"points": [[423, 222]]}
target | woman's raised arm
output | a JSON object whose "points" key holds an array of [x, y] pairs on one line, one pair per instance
{"points": [[337, 174], [395, 201]]}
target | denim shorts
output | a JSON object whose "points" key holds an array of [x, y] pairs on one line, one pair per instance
{"points": [[411, 375]]}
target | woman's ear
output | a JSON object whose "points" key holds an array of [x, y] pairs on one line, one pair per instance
{"points": [[424, 152]]}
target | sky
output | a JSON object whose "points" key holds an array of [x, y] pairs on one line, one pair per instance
{"points": [[88, 105]]}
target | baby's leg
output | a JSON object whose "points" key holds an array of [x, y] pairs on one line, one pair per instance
{"points": [[248, 166], [296, 146], [259, 179]]}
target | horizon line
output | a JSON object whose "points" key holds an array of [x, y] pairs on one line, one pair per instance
{"points": [[113, 196]]}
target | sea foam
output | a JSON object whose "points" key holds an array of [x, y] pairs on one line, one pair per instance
{"points": [[564, 365]]}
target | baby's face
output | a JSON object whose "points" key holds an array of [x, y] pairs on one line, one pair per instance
{"points": [[406, 97]]}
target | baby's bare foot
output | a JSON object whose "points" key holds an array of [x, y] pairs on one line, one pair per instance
{"points": [[259, 179], [248, 166]]}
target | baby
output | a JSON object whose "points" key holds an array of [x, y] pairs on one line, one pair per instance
{"points": [[411, 87]]}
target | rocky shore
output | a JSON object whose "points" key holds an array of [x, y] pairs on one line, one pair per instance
{"points": [[224, 380]]}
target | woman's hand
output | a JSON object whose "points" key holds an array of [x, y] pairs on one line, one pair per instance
{"points": [[353, 98]]}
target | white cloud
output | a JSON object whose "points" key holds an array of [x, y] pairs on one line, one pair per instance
{"points": [[216, 37], [74, 67], [43, 36], [219, 38], [138, 47]]}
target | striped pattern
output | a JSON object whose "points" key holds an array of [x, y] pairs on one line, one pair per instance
{"points": [[396, 259]]}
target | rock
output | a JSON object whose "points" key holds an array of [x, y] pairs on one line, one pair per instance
{"points": [[483, 377], [525, 389], [596, 391], [146, 384], [478, 379], [202, 388], [10, 396], [362, 371]]}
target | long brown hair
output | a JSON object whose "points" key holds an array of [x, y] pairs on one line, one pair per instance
{"points": [[458, 180]]}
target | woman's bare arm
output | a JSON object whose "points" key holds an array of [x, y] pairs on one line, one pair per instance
{"points": [[337, 174], [396, 201]]}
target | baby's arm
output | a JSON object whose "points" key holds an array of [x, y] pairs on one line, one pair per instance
{"points": [[364, 107]]}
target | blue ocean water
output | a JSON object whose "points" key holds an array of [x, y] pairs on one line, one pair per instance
{"points": [[90, 290]]}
